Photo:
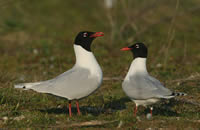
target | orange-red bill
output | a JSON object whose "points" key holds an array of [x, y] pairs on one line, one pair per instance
{"points": [[97, 34], [125, 49]]}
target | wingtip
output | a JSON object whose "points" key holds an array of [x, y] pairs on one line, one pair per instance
{"points": [[178, 94], [19, 86]]}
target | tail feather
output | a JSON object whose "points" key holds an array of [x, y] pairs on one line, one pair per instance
{"points": [[26, 86]]}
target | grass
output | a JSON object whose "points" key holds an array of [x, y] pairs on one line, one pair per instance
{"points": [[36, 44]]}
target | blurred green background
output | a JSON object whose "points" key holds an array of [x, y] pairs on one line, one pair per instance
{"points": [[36, 43]]}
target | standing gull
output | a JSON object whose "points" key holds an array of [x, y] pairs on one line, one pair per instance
{"points": [[80, 81], [138, 85]]}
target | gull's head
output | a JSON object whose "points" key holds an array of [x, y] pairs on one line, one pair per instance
{"points": [[138, 50], [85, 39]]}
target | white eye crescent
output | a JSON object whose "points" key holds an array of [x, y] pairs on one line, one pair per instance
{"points": [[85, 34], [137, 46]]}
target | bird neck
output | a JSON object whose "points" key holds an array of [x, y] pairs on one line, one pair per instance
{"points": [[86, 59], [138, 66]]}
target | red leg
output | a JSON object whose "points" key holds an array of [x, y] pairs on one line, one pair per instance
{"points": [[151, 109], [135, 111], [70, 109], [77, 106]]}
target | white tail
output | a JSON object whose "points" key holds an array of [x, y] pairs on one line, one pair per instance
{"points": [[26, 86]]}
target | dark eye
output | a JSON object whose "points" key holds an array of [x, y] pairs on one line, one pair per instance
{"points": [[137, 46], [85, 34]]}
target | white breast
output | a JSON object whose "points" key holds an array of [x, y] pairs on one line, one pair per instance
{"points": [[87, 60], [138, 66]]}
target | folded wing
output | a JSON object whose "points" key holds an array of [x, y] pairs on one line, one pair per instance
{"points": [[145, 87], [73, 84]]}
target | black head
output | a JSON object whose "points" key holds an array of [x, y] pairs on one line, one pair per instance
{"points": [[138, 50], [85, 39]]}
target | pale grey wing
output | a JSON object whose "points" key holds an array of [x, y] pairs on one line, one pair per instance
{"points": [[144, 87], [73, 84], [162, 91]]}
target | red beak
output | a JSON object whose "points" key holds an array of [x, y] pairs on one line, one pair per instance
{"points": [[125, 49], [97, 34]]}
